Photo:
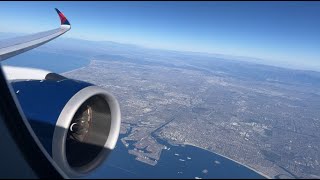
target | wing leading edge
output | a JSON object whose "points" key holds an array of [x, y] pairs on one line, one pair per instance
{"points": [[15, 46]]}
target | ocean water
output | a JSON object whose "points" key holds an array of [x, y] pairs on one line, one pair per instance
{"points": [[53, 62], [175, 162]]}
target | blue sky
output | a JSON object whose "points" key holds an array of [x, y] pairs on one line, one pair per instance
{"points": [[278, 32]]}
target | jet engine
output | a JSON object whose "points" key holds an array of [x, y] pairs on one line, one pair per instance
{"points": [[78, 123]]}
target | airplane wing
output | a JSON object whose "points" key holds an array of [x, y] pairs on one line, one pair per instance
{"points": [[21, 147], [15, 46], [77, 123]]}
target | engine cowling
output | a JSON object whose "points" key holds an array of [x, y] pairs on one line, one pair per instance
{"points": [[77, 123]]}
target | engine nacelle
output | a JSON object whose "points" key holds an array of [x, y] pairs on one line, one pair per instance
{"points": [[77, 123]]}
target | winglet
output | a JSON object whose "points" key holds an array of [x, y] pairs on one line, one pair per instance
{"points": [[63, 19]]}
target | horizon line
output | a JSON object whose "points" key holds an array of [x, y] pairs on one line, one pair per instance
{"points": [[239, 58]]}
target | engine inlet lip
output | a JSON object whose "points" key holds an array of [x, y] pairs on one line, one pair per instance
{"points": [[63, 123]]}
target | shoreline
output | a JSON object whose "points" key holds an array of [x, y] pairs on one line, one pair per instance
{"points": [[260, 173], [90, 61]]}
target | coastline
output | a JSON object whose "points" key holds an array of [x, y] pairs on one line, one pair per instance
{"points": [[90, 61], [260, 173], [190, 144], [72, 70]]}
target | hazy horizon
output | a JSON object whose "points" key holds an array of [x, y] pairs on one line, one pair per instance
{"points": [[248, 59], [280, 33]]}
